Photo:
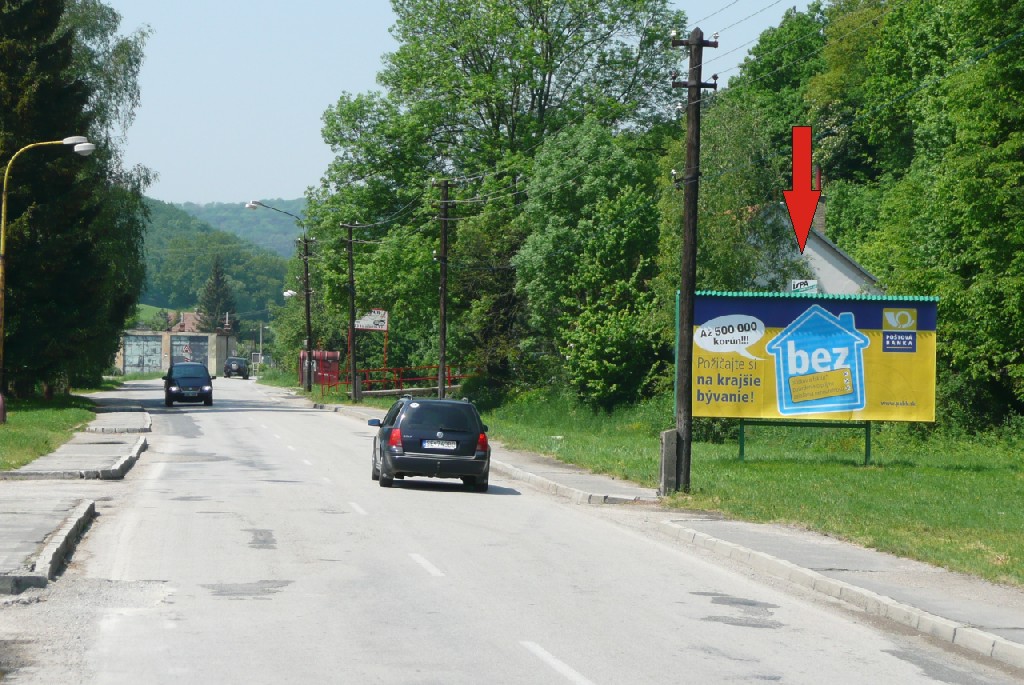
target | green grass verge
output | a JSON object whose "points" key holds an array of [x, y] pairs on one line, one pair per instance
{"points": [[36, 427], [956, 502]]}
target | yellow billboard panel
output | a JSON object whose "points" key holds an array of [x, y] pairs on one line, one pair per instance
{"points": [[814, 356]]}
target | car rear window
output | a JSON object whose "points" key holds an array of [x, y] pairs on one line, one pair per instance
{"points": [[453, 417]]}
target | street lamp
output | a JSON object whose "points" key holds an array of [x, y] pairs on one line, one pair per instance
{"points": [[83, 147], [308, 381]]}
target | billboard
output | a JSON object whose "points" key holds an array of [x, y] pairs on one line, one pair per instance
{"points": [[374, 320], [845, 357]]}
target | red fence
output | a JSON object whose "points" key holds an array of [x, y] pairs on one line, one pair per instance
{"points": [[327, 373]]}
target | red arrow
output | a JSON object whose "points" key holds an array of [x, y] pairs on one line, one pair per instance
{"points": [[802, 201]]}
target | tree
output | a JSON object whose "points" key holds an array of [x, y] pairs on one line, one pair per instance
{"points": [[216, 301], [494, 76], [587, 267], [109, 64], [474, 89], [774, 79], [49, 208], [75, 227]]}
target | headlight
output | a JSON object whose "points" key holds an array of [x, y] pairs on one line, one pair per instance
{"points": [[174, 388], [207, 388]]}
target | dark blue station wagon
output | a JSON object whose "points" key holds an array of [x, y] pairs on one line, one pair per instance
{"points": [[431, 438]]}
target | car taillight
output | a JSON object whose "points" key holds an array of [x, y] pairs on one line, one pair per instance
{"points": [[395, 441], [481, 443]]}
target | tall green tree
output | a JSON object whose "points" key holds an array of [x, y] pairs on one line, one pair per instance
{"points": [[587, 268], [217, 302], [75, 227], [495, 75], [950, 221], [473, 90], [50, 209]]}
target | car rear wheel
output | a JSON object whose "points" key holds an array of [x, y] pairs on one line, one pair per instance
{"points": [[374, 471], [386, 480], [478, 483]]}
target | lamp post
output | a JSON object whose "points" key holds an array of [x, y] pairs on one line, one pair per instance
{"points": [[83, 147], [308, 380]]}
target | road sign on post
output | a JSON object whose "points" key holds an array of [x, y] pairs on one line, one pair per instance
{"points": [[374, 320]]}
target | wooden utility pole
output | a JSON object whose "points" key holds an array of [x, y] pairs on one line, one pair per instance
{"points": [[675, 469], [352, 371], [442, 374], [308, 381]]}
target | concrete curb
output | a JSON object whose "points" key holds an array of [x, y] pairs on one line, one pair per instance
{"points": [[147, 427], [116, 472], [577, 496], [125, 464], [978, 641], [54, 551]]}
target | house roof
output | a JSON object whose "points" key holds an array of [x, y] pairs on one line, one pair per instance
{"points": [[842, 255]]}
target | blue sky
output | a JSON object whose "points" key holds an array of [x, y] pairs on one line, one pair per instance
{"points": [[233, 91]]}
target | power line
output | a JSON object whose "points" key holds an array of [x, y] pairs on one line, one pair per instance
{"points": [[715, 13], [751, 16]]}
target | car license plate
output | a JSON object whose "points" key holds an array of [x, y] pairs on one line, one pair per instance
{"points": [[190, 393], [439, 444]]}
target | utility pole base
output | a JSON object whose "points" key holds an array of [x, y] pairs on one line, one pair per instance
{"points": [[669, 462]]}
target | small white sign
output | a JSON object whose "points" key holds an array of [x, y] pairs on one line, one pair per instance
{"points": [[375, 320], [803, 286]]}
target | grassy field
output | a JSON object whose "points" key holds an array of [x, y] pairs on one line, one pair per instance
{"points": [[953, 502], [146, 311]]}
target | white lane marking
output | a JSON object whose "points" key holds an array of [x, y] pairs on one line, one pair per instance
{"points": [[307, 462], [560, 666], [358, 509], [291, 448], [326, 480], [430, 568], [277, 436]]}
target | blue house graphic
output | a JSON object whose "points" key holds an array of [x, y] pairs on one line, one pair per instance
{"points": [[819, 364]]}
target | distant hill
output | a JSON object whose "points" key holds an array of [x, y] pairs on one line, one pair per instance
{"points": [[263, 227], [179, 259]]}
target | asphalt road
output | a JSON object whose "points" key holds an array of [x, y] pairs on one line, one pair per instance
{"points": [[249, 545]]}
